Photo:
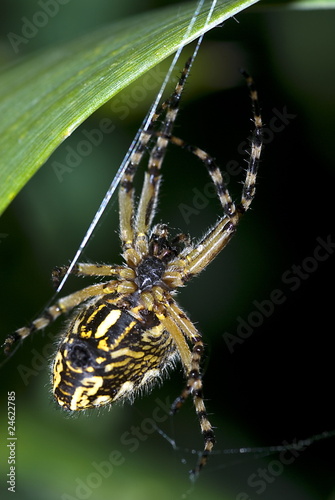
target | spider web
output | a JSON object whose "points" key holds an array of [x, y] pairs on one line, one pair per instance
{"points": [[239, 455]]}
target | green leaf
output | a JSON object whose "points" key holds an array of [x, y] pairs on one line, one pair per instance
{"points": [[45, 97]]}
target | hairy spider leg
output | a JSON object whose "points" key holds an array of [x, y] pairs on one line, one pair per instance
{"points": [[180, 327], [185, 267], [194, 384], [133, 229], [62, 306]]}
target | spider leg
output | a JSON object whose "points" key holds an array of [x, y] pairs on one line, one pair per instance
{"points": [[63, 305], [126, 195], [133, 229], [150, 190], [256, 142], [180, 327], [195, 388], [184, 267], [126, 189], [85, 269]]}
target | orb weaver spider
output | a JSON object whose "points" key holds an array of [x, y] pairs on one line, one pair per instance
{"points": [[128, 330]]}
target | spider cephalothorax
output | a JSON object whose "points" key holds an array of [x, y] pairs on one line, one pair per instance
{"points": [[127, 331]]}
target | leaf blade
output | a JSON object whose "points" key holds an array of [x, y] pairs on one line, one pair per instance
{"points": [[44, 98]]}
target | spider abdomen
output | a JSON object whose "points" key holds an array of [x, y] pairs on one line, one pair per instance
{"points": [[108, 354]]}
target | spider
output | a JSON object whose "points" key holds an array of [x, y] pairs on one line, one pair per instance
{"points": [[127, 331]]}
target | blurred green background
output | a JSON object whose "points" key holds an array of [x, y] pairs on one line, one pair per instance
{"points": [[274, 386]]}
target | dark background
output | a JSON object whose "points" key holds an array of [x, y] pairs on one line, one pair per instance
{"points": [[273, 387]]}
